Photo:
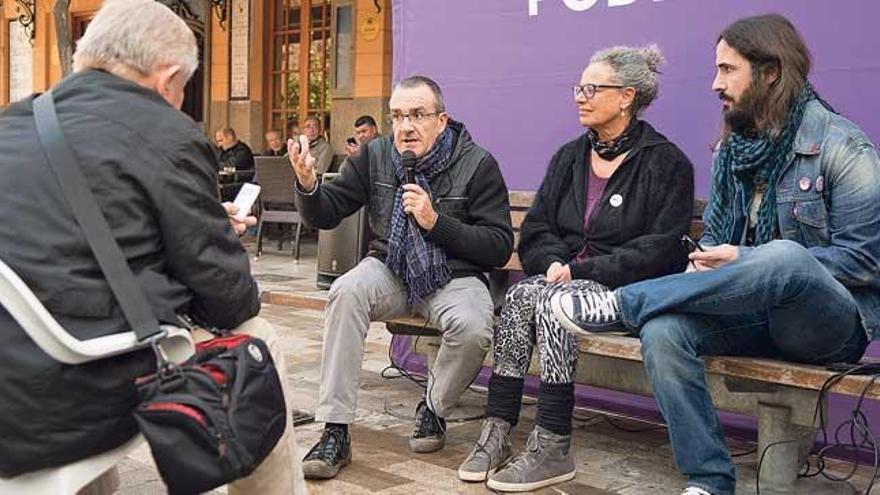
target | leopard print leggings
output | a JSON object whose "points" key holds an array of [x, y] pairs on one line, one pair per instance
{"points": [[526, 317]]}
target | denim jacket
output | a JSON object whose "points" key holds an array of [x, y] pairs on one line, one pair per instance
{"points": [[828, 200]]}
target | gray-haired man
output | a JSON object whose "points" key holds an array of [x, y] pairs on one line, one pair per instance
{"points": [[160, 202]]}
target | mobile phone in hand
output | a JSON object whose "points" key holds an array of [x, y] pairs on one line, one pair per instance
{"points": [[245, 200], [690, 244], [351, 141]]}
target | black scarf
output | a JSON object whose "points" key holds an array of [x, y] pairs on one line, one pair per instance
{"points": [[611, 149], [418, 262]]}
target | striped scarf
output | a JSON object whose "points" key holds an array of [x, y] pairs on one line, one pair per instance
{"points": [[749, 161], [419, 263]]}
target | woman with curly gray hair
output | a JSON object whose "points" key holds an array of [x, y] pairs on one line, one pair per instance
{"points": [[612, 206]]}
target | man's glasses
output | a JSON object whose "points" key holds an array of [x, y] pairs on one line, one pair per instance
{"points": [[588, 91], [416, 117]]}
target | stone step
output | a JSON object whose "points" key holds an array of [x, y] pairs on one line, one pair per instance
{"points": [[294, 300]]}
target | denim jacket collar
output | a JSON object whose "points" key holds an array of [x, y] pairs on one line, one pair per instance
{"points": [[812, 131]]}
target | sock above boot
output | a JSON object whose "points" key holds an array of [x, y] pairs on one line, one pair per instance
{"points": [[555, 406], [505, 398]]}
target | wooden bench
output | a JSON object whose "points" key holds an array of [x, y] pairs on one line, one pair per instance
{"points": [[783, 396]]}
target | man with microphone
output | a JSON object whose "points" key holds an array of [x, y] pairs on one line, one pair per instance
{"points": [[440, 215]]}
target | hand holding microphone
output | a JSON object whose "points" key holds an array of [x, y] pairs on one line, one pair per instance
{"points": [[416, 202]]}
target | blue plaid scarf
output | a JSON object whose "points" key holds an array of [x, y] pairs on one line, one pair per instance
{"points": [[419, 263], [750, 161]]}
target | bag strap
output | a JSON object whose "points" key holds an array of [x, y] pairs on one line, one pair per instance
{"points": [[126, 289]]}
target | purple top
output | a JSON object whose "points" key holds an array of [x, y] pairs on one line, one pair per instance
{"points": [[595, 188]]}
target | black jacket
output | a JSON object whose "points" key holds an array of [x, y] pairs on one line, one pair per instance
{"points": [[473, 224], [239, 156], [152, 172], [271, 152], [637, 240]]}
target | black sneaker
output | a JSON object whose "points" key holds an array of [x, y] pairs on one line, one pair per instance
{"points": [[583, 312], [429, 432], [329, 455]]}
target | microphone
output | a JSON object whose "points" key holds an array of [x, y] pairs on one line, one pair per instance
{"points": [[408, 160]]}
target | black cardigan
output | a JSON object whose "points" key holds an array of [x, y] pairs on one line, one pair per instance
{"points": [[636, 240]]}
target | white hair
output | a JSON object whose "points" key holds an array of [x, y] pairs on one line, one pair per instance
{"points": [[136, 35], [637, 68]]}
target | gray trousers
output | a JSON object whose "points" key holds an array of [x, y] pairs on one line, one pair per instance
{"points": [[462, 310]]}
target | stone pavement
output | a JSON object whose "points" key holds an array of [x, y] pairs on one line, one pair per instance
{"points": [[609, 459]]}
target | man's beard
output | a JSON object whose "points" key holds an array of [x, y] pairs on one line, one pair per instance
{"points": [[742, 116]]}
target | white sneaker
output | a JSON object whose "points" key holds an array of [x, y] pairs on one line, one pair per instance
{"points": [[693, 490]]}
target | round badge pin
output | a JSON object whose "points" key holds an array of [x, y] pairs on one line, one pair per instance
{"points": [[616, 200], [805, 183], [820, 184]]}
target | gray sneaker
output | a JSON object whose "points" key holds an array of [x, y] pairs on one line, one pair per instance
{"points": [[490, 452], [546, 461]]}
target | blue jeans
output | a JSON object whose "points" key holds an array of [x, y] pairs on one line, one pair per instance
{"points": [[775, 301]]}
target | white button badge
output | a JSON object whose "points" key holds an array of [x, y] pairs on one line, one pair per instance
{"points": [[616, 200]]}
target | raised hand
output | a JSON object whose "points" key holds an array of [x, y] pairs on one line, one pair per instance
{"points": [[303, 163]]}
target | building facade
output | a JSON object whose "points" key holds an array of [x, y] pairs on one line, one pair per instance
{"points": [[266, 64]]}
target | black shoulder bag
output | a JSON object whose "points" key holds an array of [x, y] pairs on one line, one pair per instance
{"points": [[209, 420]]}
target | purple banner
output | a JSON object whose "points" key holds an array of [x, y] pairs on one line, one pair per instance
{"points": [[507, 66]]}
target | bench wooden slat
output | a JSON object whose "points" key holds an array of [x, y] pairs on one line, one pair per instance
{"points": [[790, 374], [764, 370], [795, 375], [696, 230], [416, 326], [516, 218], [513, 264], [612, 346], [411, 321], [521, 199]]}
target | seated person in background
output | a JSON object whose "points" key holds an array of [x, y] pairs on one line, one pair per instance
{"points": [[233, 152], [319, 147], [365, 130], [432, 242], [790, 266], [275, 144], [291, 130], [160, 201], [611, 210]]}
